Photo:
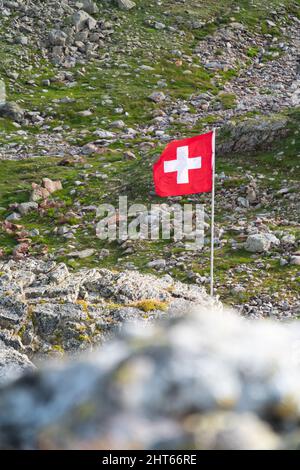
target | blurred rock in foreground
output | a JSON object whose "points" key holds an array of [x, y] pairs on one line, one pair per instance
{"points": [[207, 380]]}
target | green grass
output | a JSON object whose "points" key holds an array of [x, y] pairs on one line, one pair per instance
{"points": [[227, 100], [253, 52]]}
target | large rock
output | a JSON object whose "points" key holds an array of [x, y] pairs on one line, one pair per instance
{"points": [[260, 242], [90, 7], [26, 207], [13, 308], [43, 191], [207, 380], [38, 193], [251, 134], [81, 20], [12, 363], [2, 93], [51, 185], [12, 111], [82, 254], [57, 37]]}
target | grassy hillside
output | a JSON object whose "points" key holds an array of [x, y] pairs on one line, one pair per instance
{"points": [[114, 80]]}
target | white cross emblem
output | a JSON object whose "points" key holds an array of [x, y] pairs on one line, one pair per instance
{"points": [[182, 165]]}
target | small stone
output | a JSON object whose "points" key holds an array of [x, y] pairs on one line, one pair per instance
{"points": [[283, 262], [89, 148], [13, 217], [90, 7], [243, 202], [129, 155], [288, 239], [34, 232], [157, 97], [12, 110], [158, 264], [82, 254], [52, 186], [295, 259], [119, 124], [22, 40], [26, 207], [126, 4], [159, 26], [85, 113], [58, 274], [57, 37], [38, 193], [271, 24]]}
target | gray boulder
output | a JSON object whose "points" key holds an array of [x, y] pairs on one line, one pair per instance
{"points": [[12, 363], [157, 97], [90, 7], [26, 207], [251, 134], [14, 217], [57, 37], [13, 111], [13, 308], [295, 259], [81, 20], [260, 242]]}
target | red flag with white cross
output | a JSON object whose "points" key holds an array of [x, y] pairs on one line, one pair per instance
{"points": [[186, 166]]}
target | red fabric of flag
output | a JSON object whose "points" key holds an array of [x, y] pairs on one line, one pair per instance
{"points": [[185, 166]]}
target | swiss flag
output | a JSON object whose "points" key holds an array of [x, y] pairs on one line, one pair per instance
{"points": [[186, 166]]}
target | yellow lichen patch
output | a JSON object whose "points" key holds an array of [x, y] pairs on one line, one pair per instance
{"points": [[80, 327], [148, 305], [58, 348], [22, 330], [84, 304], [113, 305], [84, 338]]}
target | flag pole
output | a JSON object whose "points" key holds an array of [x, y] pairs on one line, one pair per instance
{"points": [[212, 215]]}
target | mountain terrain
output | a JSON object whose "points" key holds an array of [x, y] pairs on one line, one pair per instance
{"points": [[90, 94]]}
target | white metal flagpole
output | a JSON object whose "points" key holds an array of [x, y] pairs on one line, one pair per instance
{"points": [[212, 215]]}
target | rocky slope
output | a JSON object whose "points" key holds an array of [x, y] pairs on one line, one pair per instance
{"points": [[46, 310], [93, 92], [90, 92]]}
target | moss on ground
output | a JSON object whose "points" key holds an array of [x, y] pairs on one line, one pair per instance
{"points": [[150, 305]]}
